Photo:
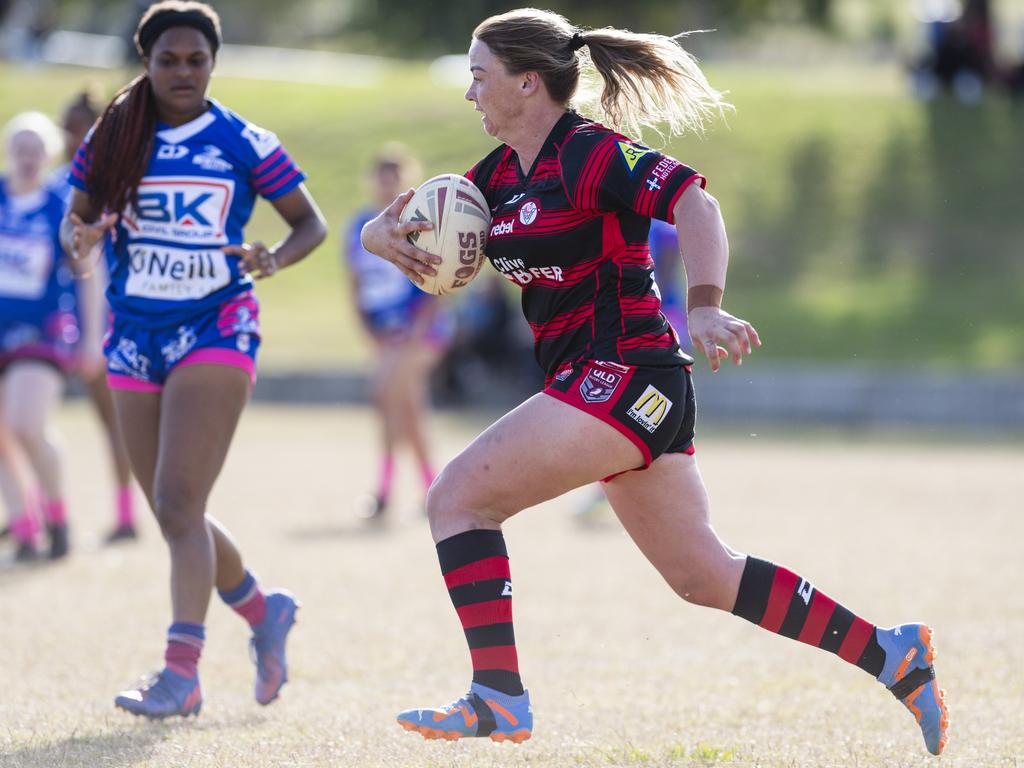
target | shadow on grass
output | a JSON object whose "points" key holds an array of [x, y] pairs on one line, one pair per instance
{"points": [[132, 743]]}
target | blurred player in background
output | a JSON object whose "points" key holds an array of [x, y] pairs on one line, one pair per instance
{"points": [[572, 203], [165, 183], [38, 334], [409, 329], [78, 118]]}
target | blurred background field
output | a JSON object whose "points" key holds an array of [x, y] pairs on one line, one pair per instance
{"points": [[866, 226]]}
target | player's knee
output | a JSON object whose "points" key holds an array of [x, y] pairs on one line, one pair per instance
{"points": [[442, 497], [29, 433], [177, 511]]}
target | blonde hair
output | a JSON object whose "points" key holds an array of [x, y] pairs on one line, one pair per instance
{"points": [[649, 81], [39, 124]]}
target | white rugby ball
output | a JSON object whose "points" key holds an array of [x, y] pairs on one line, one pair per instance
{"points": [[461, 219]]}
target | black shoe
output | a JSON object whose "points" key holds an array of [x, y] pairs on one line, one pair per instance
{"points": [[58, 540], [121, 533], [26, 552]]}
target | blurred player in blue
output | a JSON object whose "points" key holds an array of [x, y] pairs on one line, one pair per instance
{"points": [[38, 334], [79, 116], [409, 329], [165, 183]]}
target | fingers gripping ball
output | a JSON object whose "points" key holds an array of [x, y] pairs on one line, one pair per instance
{"points": [[461, 219]]}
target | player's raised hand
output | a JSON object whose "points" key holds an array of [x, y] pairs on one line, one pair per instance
{"points": [[719, 335], [85, 239], [257, 260], [387, 237]]}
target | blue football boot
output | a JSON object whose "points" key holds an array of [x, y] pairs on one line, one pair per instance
{"points": [[481, 712], [166, 694], [267, 644], [909, 674]]}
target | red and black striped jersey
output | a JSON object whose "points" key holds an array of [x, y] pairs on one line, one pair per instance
{"points": [[572, 232]]}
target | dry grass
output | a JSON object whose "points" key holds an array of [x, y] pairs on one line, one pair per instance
{"points": [[621, 672]]}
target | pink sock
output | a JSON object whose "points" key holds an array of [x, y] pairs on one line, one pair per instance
{"points": [[125, 507], [184, 645], [25, 527], [387, 476], [247, 600], [54, 512]]}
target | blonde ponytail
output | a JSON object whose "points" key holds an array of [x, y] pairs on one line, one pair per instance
{"points": [[645, 81]]}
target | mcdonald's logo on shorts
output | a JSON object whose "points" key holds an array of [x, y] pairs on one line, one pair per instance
{"points": [[650, 409]]}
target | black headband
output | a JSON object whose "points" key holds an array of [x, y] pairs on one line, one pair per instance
{"points": [[160, 22], [577, 41]]}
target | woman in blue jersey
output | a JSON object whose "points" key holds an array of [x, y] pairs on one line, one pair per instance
{"points": [[409, 329], [165, 183], [38, 333], [572, 202]]}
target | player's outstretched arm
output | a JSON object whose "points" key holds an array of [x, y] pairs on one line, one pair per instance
{"points": [[387, 237], [705, 252]]}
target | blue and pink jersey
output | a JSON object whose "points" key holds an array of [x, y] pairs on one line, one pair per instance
{"points": [[165, 258], [37, 295]]}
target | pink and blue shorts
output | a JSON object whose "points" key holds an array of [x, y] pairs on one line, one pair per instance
{"points": [[50, 340], [140, 357]]}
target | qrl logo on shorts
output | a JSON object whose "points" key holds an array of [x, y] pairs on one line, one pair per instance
{"points": [[599, 385], [650, 409]]}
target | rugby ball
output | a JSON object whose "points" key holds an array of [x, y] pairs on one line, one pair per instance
{"points": [[461, 219]]}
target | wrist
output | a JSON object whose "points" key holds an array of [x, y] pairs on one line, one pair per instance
{"points": [[703, 296]]}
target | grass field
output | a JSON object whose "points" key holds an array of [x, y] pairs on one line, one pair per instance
{"points": [[621, 672], [864, 226]]}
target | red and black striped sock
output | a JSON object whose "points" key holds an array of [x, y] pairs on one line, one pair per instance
{"points": [[780, 601], [476, 572]]}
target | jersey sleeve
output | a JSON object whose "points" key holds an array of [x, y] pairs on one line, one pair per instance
{"points": [[79, 168], [605, 171], [273, 173]]}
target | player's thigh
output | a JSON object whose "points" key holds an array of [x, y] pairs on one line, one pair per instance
{"points": [[536, 452], [31, 393], [199, 412], [665, 510], [137, 415]]}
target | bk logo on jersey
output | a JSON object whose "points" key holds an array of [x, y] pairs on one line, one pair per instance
{"points": [[650, 409], [189, 209]]}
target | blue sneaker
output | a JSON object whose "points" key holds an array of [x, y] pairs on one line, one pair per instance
{"points": [[166, 694], [481, 712], [909, 674], [267, 644]]}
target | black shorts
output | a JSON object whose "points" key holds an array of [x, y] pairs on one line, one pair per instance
{"points": [[654, 406]]}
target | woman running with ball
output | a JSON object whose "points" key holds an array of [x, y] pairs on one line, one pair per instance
{"points": [[572, 203], [165, 182]]}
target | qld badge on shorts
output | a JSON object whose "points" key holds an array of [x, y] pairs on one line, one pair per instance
{"points": [[599, 385], [650, 409]]}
